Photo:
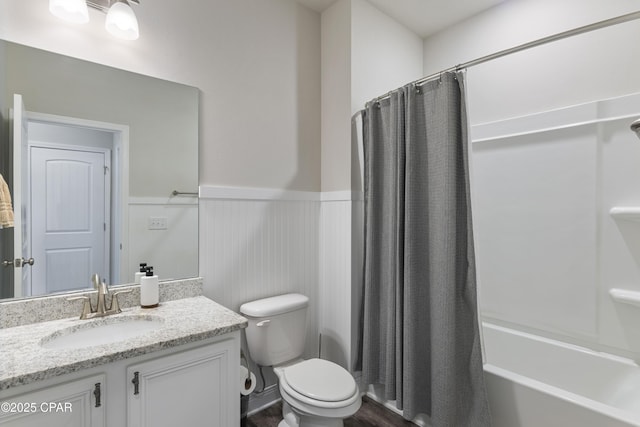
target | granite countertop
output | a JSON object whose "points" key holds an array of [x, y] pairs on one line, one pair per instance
{"points": [[24, 360]]}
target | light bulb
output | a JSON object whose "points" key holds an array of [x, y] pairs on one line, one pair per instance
{"points": [[121, 21], [75, 11]]}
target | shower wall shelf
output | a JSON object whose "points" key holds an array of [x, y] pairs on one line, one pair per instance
{"points": [[625, 296], [631, 213]]}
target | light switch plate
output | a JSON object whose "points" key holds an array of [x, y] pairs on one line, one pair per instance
{"points": [[158, 223]]}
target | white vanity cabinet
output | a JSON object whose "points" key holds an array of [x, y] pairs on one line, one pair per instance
{"points": [[194, 384], [75, 403], [190, 389]]}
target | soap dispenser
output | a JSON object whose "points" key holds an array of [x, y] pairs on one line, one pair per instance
{"points": [[149, 289], [141, 273]]}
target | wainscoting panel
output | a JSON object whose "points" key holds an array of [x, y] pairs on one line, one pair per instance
{"points": [[335, 281], [257, 243], [251, 249]]}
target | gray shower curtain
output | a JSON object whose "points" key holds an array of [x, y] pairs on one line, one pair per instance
{"points": [[419, 329]]}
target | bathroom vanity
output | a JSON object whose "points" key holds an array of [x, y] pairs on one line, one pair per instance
{"points": [[176, 365]]}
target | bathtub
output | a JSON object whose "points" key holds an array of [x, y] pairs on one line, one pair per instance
{"points": [[538, 382]]}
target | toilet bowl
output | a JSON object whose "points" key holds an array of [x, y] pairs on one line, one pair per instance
{"points": [[319, 392], [315, 392]]}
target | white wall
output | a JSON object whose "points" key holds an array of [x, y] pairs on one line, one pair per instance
{"points": [[548, 252], [256, 63], [598, 65], [365, 53], [385, 54], [336, 96]]}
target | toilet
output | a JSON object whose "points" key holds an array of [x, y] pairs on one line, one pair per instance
{"points": [[315, 392]]}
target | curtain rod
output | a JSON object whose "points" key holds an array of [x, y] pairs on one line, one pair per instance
{"points": [[565, 34]]}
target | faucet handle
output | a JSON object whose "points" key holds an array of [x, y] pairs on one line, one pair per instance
{"points": [[86, 307], [105, 287], [115, 304], [95, 279]]}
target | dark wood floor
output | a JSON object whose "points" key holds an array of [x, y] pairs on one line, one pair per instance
{"points": [[371, 414]]}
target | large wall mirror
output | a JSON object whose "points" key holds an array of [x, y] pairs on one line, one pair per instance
{"points": [[102, 167]]}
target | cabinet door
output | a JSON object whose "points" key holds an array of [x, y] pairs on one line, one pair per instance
{"points": [[185, 389], [74, 404]]}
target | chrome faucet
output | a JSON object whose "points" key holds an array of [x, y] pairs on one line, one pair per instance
{"points": [[101, 309]]}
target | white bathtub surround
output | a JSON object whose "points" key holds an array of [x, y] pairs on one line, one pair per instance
{"points": [[535, 381], [632, 214], [625, 296], [554, 194], [53, 307], [629, 213]]}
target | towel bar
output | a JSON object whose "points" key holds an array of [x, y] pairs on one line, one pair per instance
{"points": [[183, 193]]}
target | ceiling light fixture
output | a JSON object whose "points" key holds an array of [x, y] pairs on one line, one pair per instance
{"points": [[70, 10], [121, 21]]}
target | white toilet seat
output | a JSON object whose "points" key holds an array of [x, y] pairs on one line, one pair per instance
{"points": [[321, 380], [322, 408], [309, 407]]}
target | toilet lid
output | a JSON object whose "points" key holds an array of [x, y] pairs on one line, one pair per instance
{"points": [[321, 380]]}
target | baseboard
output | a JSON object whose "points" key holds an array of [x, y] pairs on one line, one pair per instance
{"points": [[421, 420], [260, 401]]}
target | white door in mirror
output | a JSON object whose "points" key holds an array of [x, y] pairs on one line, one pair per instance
{"points": [[69, 193], [21, 249]]}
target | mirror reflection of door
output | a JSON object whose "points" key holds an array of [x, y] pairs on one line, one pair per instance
{"points": [[22, 271], [70, 195], [68, 201]]}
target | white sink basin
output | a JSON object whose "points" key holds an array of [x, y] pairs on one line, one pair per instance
{"points": [[102, 331]]}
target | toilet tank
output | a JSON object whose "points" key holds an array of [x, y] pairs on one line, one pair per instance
{"points": [[277, 328]]}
